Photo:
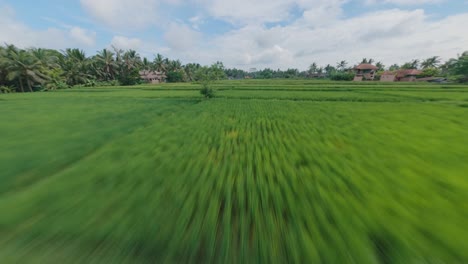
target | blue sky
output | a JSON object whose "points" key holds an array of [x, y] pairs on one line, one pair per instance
{"points": [[243, 33]]}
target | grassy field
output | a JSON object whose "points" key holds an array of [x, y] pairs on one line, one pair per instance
{"points": [[266, 172]]}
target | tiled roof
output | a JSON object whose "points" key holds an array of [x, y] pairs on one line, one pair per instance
{"points": [[365, 66]]}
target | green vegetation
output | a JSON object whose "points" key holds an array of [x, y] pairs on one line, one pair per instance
{"points": [[265, 172], [36, 69]]}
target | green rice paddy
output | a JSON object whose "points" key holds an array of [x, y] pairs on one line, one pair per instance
{"points": [[265, 172]]}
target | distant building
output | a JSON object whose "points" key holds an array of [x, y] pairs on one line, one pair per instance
{"points": [[388, 76], [153, 77], [406, 75], [364, 71]]}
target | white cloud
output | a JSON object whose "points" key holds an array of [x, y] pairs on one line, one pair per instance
{"points": [[392, 36], [264, 11], [122, 13], [128, 14], [245, 11], [125, 43], [13, 31], [404, 2], [83, 36], [182, 38]]}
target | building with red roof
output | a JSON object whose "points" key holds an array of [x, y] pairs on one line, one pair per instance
{"points": [[365, 71], [404, 75]]}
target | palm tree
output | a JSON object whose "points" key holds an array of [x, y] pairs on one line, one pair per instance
{"points": [[329, 69], [320, 71], [414, 64], [313, 69], [48, 58], [131, 59], [394, 67], [380, 66], [159, 64], [459, 66], [190, 70], [146, 64], [75, 66], [23, 67], [106, 64], [2, 68], [174, 65], [342, 65], [432, 62]]}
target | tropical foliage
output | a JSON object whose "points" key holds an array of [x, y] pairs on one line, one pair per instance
{"points": [[28, 70]]}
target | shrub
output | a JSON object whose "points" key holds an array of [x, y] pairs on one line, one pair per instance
{"points": [[175, 76], [6, 89], [207, 91], [342, 76]]}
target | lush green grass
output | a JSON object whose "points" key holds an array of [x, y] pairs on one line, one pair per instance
{"points": [[298, 172]]}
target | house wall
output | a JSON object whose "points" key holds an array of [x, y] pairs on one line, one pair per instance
{"points": [[357, 78], [387, 78], [408, 79], [369, 75]]}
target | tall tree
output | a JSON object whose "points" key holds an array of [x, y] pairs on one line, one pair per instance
{"points": [[394, 67], [190, 70], [159, 63], [312, 70], [414, 64], [75, 66], [341, 66], [380, 66], [146, 64], [459, 67], [23, 67], [431, 62], [106, 64]]}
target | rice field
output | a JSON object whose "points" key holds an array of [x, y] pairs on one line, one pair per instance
{"points": [[286, 171]]}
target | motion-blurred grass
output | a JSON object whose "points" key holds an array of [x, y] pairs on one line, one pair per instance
{"points": [[309, 175]]}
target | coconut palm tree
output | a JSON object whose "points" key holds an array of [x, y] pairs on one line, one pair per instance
{"points": [[131, 59], [312, 69], [75, 66], [160, 64], [22, 67], [174, 65], [342, 65], [146, 64], [414, 64], [459, 67], [190, 70], [380, 66], [106, 64], [432, 62], [48, 58]]}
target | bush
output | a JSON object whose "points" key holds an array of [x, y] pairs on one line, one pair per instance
{"points": [[458, 78], [130, 78], [6, 89], [175, 76], [207, 92], [342, 76]]}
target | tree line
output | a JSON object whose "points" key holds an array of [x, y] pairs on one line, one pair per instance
{"points": [[28, 70]]}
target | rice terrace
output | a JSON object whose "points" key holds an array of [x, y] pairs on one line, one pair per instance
{"points": [[267, 171]]}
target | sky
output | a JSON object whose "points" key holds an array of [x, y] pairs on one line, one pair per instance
{"points": [[277, 34]]}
